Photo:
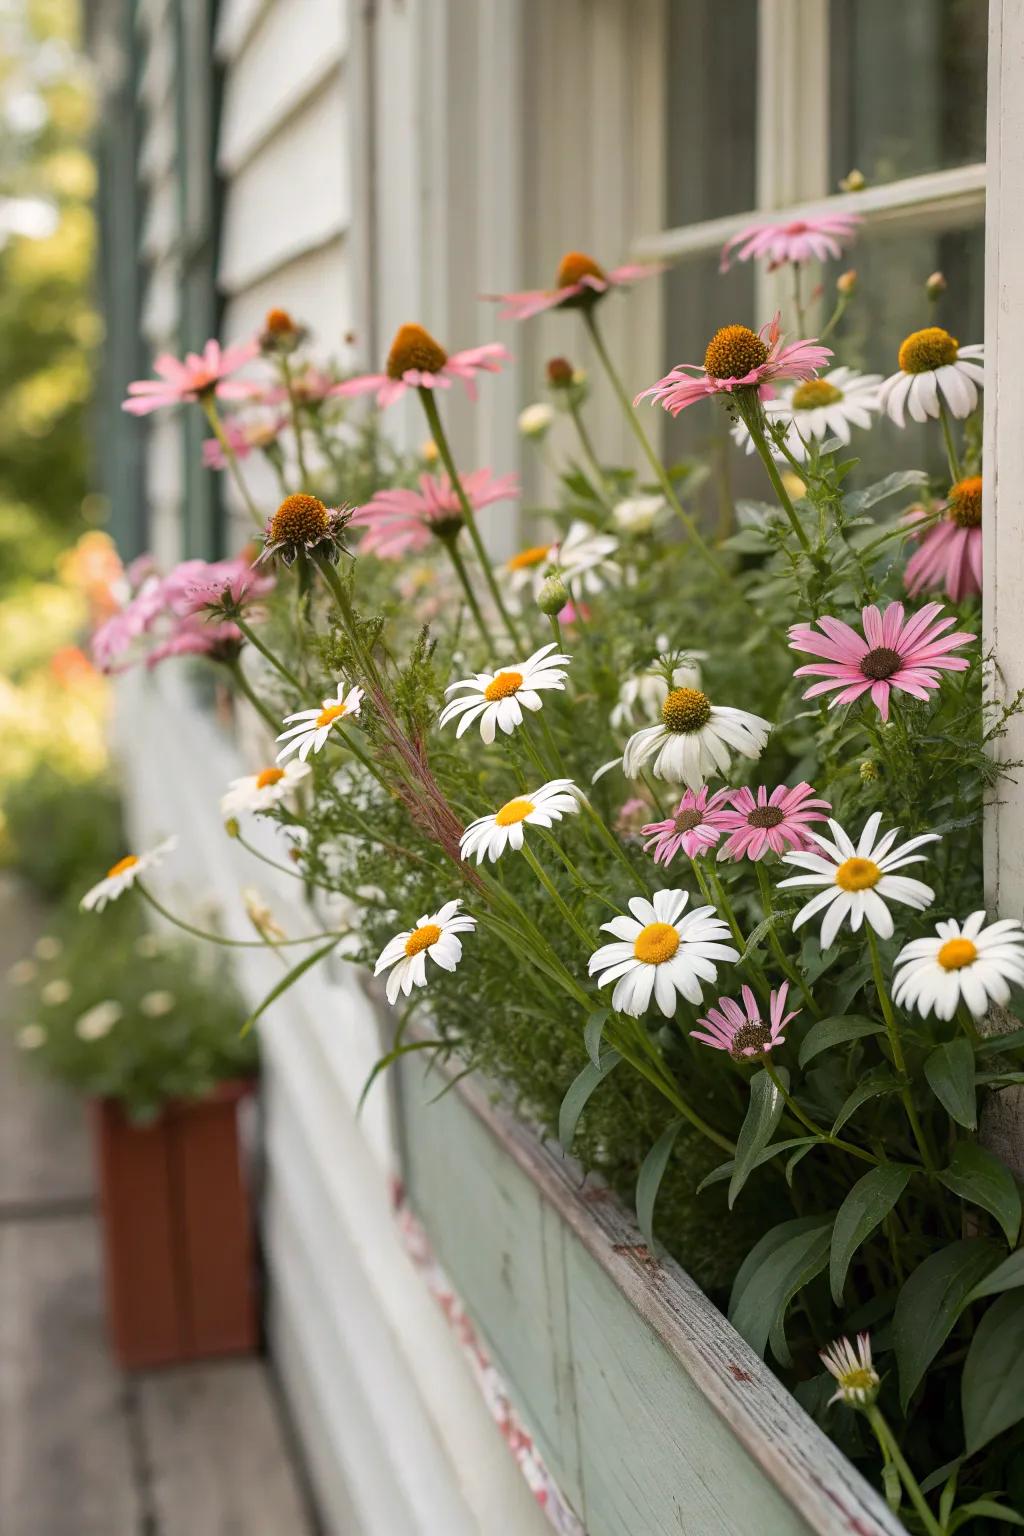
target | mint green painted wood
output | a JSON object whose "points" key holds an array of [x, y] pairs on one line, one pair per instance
{"points": [[651, 1412]]}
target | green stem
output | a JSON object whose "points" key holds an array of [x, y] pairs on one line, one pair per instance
{"points": [[811, 1125], [588, 450], [467, 587], [659, 1077], [293, 401], [888, 1444], [282, 869], [896, 1047], [265, 651], [469, 518], [243, 685], [798, 303], [556, 896], [209, 405], [216, 938], [947, 433], [750, 410], [835, 317], [787, 969], [556, 631]]}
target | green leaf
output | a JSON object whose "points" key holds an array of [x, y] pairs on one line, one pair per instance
{"points": [[293, 975], [762, 1251], [652, 1171], [872, 1085], [763, 929], [826, 1033], [579, 1092], [985, 1509], [950, 1073], [930, 1303], [592, 1032], [1006, 1276], [977, 1175], [770, 1287], [991, 1387], [868, 1203], [724, 1170], [389, 1060], [763, 1114], [900, 480]]}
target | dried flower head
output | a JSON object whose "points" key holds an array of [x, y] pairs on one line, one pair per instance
{"points": [[281, 333]]}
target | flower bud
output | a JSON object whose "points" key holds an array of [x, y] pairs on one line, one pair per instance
{"points": [[231, 826], [853, 181], [935, 285], [428, 451], [553, 595], [868, 771], [535, 421], [560, 373], [846, 283]]}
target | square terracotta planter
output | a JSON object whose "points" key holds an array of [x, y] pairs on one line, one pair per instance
{"points": [[179, 1253]]}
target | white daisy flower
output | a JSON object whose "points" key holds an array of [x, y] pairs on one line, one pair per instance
{"points": [[535, 420], [99, 1020], [260, 791], [489, 836], [435, 935], [693, 741], [642, 696], [31, 1037], [314, 725], [969, 963], [583, 560], [854, 1370], [56, 992], [124, 874], [934, 369], [499, 698], [819, 408], [658, 951], [638, 514], [858, 881]]}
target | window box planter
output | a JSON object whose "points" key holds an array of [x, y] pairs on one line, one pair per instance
{"points": [[653, 1415], [179, 1255]]}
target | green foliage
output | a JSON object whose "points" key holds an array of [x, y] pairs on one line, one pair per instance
{"points": [[61, 832]]}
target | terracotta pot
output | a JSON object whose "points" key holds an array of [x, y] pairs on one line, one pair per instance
{"points": [[177, 1231]]}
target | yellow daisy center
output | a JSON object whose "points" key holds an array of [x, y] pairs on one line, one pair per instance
{"points": [[300, 519], [503, 685], [813, 393], [422, 938], [574, 266], [859, 1380], [931, 348], [128, 862], [858, 874], [331, 713], [269, 776], [413, 347], [526, 558], [965, 502], [514, 811], [956, 953], [733, 351], [686, 709], [656, 943]]}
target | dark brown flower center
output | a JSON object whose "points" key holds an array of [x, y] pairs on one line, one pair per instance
{"points": [[733, 351], [413, 347], [686, 709], [882, 662], [765, 816], [686, 821], [300, 519], [750, 1038], [965, 502]]}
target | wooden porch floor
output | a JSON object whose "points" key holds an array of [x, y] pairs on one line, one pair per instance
{"points": [[84, 1449]]}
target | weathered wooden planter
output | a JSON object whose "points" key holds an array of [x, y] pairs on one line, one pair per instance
{"points": [[177, 1231], [653, 1415]]}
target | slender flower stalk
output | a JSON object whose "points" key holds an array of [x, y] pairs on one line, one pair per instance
{"points": [[242, 684], [955, 473], [466, 584], [896, 1047], [254, 640], [787, 969], [751, 411], [296, 411], [209, 405], [890, 1449], [218, 938]]}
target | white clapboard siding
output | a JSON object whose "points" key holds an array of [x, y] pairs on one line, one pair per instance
{"points": [[316, 288], [235, 21]]}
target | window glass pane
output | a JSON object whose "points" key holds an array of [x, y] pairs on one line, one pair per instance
{"points": [[907, 87], [711, 59]]}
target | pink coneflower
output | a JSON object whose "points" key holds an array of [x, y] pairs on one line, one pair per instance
{"points": [[950, 552], [772, 822], [893, 652], [200, 374], [115, 638], [798, 242], [196, 584], [742, 1031], [578, 283], [737, 359], [695, 825], [243, 438], [400, 521], [630, 818], [194, 637], [417, 361]]}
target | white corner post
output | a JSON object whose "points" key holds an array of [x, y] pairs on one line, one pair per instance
{"points": [[1003, 504]]}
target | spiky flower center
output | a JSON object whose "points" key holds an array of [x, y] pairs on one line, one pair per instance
{"points": [[300, 519], [956, 953], [733, 352], [881, 663], [329, 714], [656, 943], [268, 777], [687, 821], [931, 348], [422, 938], [858, 875], [413, 347], [965, 502], [574, 266], [503, 685], [765, 816], [279, 322], [686, 709], [814, 393], [750, 1040], [514, 811], [527, 558], [128, 862]]}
